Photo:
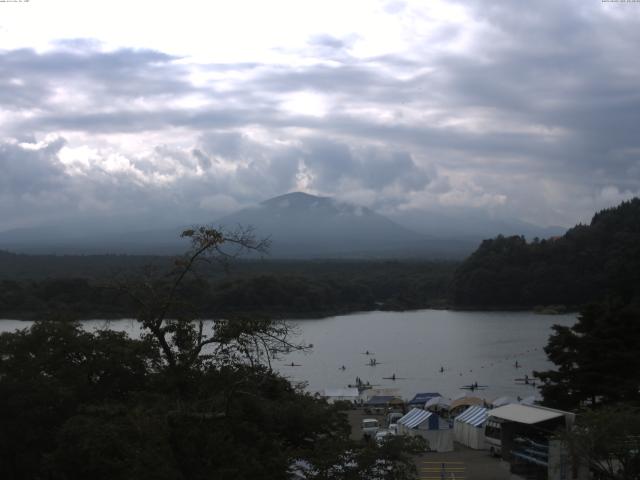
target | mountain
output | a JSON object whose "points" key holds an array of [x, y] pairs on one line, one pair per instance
{"points": [[303, 225], [585, 264], [299, 225], [471, 224]]}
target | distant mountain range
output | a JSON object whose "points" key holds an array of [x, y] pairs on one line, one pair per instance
{"points": [[299, 226]]}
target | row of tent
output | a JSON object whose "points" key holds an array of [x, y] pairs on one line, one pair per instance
{"points": [[429, 400], [468, 428], [435, 401]]}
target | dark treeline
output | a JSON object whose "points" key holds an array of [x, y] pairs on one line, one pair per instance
{"points": [[276, 288], [584, 265], [184, 401], [15, 266]]}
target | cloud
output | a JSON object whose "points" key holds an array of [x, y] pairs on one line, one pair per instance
{"points": [[332, 163], [532, 113]]}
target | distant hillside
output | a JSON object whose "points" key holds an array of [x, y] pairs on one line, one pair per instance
{"points": [[583, 265], [301, 226], [471, 224], [306, 226]]}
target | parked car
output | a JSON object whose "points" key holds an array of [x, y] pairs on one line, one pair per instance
{"points": [[382, 435], [370, 427]]}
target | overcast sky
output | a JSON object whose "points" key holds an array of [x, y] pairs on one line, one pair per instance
{"points": [[166, 111]]}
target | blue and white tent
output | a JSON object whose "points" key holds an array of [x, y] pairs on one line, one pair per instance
{"points": [[468, 427], [420, 399], [417, 417], [429, 426]]}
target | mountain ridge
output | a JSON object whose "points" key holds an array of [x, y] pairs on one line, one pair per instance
{"points": [[301, 225]]}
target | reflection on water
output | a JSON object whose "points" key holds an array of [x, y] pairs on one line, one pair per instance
{"points": [[468, 347]]}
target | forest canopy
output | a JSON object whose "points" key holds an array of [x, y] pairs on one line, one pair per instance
{"points": [[582, 266]]}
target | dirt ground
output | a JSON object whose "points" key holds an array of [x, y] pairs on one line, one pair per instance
{"points": [[461, 464]]}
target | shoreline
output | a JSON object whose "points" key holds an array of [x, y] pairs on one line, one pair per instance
{"points": [[304, 316]]}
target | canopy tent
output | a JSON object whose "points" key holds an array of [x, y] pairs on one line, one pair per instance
{"points": [[459, 404], [468, 427], [381, 392], [384, 401], [420, 399], [341, 394], [429, 426], [501, 401], [525, 413], [437, 404]]}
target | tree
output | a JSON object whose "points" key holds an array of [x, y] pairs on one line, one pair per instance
{"points": [[48, 373], [596, 359], [180, 403], [607, 440]]}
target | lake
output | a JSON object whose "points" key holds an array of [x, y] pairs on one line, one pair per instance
{"points": [[470, 346]]}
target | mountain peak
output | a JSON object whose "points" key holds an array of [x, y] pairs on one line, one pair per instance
{"points": [[295, 199]]}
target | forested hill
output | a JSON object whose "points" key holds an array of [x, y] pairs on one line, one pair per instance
{"points": [[33, 287], [585, 264]]}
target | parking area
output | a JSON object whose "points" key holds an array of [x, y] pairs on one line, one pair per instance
{"points": [[461, 464], [355, 420]]}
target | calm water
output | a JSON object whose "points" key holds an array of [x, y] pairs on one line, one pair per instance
{"points": [[471, 347]]}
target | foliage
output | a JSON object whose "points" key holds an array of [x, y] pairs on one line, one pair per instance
{"points": [[597, 359], [48, 373], [608, 441], [295, 289], [392, 460], [584, 265], [180, 403]]}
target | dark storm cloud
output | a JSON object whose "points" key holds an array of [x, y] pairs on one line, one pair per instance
{"points": [[26, 171], [373, 168]]}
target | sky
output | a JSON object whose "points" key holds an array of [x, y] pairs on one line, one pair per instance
{"points": [[144, 113]]}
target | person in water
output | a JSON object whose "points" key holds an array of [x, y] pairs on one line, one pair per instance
{"points": [[441, 369], [393, 377]]}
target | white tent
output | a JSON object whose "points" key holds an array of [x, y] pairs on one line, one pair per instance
{"points": [[468, 427], [437, 404], [341, 394], [429, 426], [501, 401]]}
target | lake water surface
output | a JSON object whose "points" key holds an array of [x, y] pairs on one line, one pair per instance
{"points": [[471, 347]]}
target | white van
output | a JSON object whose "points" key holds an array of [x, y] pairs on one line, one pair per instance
{"points": [[370, 427]]}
